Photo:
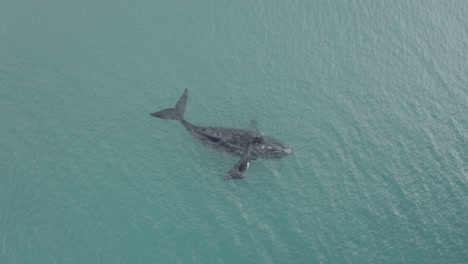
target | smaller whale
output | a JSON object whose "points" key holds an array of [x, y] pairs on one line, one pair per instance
{"points": [[243, 164]]}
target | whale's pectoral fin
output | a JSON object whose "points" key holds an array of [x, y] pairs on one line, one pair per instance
{"points": [[254, 125], [243, 164], [233, 174], [237, 171]]}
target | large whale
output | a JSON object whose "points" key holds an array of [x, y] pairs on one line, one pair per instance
{"points": [[246, 143]]}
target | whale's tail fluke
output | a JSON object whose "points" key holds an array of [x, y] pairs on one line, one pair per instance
{"points": [[174, 113]]}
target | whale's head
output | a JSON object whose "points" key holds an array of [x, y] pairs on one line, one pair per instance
{"points": [[270, 148]]}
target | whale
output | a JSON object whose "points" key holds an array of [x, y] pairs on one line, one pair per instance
{"points": [[248, 144], [243, 164]]}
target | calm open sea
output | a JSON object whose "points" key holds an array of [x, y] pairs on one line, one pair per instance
{"points": [[371, 95]]}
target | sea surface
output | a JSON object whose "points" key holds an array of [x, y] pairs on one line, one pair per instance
{"points": [[371, 95]]}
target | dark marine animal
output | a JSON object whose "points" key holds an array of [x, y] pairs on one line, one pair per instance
{"points": [[249, 144]]}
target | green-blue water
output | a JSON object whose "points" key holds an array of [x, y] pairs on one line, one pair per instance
{"points": [[372, 96]]}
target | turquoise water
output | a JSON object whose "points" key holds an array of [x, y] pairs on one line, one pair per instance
{"points": [[372, 96]]}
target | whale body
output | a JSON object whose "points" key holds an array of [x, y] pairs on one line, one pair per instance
{"points": [[248, 144]]}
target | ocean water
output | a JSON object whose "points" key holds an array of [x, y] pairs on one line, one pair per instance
{"points": [[371, 95]]}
